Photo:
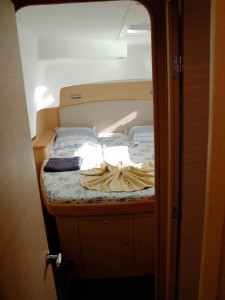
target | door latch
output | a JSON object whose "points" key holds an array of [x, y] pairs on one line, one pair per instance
{"points": [[177, 64], [57, 258]]}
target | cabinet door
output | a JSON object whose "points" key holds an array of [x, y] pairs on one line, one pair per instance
{"points": [[107, 246], [107, 257], [144, 255], [144, 232], [69, 241]]}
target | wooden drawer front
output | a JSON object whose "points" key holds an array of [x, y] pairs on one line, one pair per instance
{"points": [[144, 226], [106, 229], [107, 257]]}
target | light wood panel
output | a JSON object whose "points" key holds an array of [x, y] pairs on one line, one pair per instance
{"points": [[108, 246], [196, 25], [212, 284], [106, 91], [69, 241], [47, 119], [23, 247], [42, 147]]}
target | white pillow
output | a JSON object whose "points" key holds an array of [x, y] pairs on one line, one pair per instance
{"points": [[145, 129], [77, 131]]}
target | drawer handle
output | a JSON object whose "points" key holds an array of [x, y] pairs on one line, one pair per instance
{"points": [[140, 241], [126, 242], [105, 222]]}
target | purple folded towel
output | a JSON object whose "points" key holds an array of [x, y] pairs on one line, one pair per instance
{"points": [[63, 164]]}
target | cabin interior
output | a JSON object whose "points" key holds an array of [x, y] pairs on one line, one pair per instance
{"points": [[113, 66]]}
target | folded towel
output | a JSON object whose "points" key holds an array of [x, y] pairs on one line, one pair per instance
{"points": [[119, 177], [63, 164]]}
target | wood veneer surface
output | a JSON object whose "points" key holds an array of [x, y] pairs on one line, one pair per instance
{"points": [[23, 246], [212, 285], [196, 32]]}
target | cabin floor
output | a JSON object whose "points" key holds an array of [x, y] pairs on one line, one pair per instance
{"points": [[132, 288]]}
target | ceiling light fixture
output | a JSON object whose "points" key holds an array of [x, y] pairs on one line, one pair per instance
{"points": [[136, 30]]}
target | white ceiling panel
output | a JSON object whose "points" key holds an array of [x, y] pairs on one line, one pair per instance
{"points": [[97, 20]]}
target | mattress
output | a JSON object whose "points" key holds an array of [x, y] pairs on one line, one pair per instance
{"points": [[65, 187]]}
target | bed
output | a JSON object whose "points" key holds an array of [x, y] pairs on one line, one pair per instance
{"points": [[105, 233]]}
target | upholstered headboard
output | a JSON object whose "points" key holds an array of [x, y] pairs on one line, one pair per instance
{"points": [[109, 107], [107, 116]]}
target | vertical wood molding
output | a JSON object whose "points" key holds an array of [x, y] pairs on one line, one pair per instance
{"points": [[196, 42], [173, 144], [161, 142], [213, 255]]}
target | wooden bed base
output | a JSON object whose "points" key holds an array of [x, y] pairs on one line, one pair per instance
{"points": [[106, 239]]}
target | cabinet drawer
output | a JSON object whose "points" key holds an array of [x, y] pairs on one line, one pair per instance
{"points": [[144, 226], [106, 228]]}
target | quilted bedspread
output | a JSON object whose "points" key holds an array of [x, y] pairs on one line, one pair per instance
{"points": [[65, 187]]}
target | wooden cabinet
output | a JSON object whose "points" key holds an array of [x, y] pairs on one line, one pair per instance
{"points": [[108, 247]]}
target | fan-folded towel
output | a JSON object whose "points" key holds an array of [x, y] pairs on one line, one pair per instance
{"points": [[120, 177]]}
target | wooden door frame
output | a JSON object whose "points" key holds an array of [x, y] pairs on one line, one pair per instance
{"points": [[174, 54], [157, 12], [194, 117]]}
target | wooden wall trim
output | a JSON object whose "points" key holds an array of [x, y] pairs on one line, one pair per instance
{"points": [[174, 78], [47, 119], [195, 101], [157, 10], [212, 254], [85, 93]]}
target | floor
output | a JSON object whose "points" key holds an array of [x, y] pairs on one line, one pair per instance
{"points": [[132, 288]]}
